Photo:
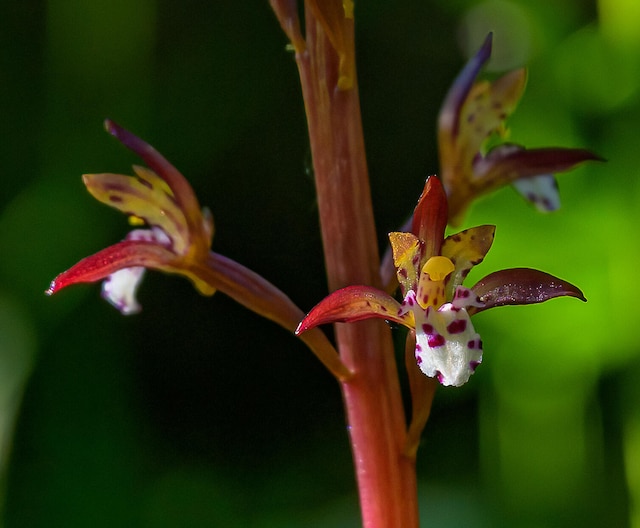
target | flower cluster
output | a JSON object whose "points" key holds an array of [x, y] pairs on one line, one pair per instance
{"points": [[435, 306]]}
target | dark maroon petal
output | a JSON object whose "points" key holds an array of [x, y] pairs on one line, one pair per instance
{"points": [[430, 216], [507, 163], [450, 114], [351, 304], [521, 286], [125, 254]]}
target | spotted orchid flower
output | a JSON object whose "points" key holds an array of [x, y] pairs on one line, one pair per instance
{"points": [[177, 238], [435, 306], [474, 112]]}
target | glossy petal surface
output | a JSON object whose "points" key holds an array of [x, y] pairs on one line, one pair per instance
{"points": [[430, 216], [351, 304], [522, 286]]}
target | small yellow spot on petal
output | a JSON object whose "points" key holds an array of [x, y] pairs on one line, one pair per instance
{"points": [[438, 268], [136, 221]]}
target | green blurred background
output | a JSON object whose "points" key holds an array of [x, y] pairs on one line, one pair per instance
{"points": [[197, 413]]}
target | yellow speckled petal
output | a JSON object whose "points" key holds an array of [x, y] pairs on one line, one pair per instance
{"points": [[466, 249], [485, 109], [146, 196], [407, 254]]}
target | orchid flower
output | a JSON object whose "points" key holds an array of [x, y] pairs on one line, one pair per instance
{"points": [[177, 239], [435, 306], [474, 112]]}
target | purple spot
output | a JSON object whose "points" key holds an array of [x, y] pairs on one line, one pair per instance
{"points": [[418, 348], [462, 294], [435, 340], [418, 359], [473, 365], [427, 328], [457, 327], [425, 299], [144, 182], [409, 301], [403, 273], [475, 344], [115, 199], [440, 377], [383, 308]]}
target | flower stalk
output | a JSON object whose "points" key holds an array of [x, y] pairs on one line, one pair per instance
{"points": [[385, 475]]}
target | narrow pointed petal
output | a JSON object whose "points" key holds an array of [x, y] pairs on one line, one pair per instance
{"points": [[449, 120], [351, 304], [430, 216], [147, 197], [182, 191], [508, 163], [521, 286], [100, 265], [407, 253], [541, 191], [466, 249]]}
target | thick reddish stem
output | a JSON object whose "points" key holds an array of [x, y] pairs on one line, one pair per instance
{"points": [[385, 475]]}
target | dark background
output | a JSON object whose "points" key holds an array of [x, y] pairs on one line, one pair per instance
{"points": [[198, 413]]}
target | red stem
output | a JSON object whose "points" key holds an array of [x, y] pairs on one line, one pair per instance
{"points": [[385, 475]]}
